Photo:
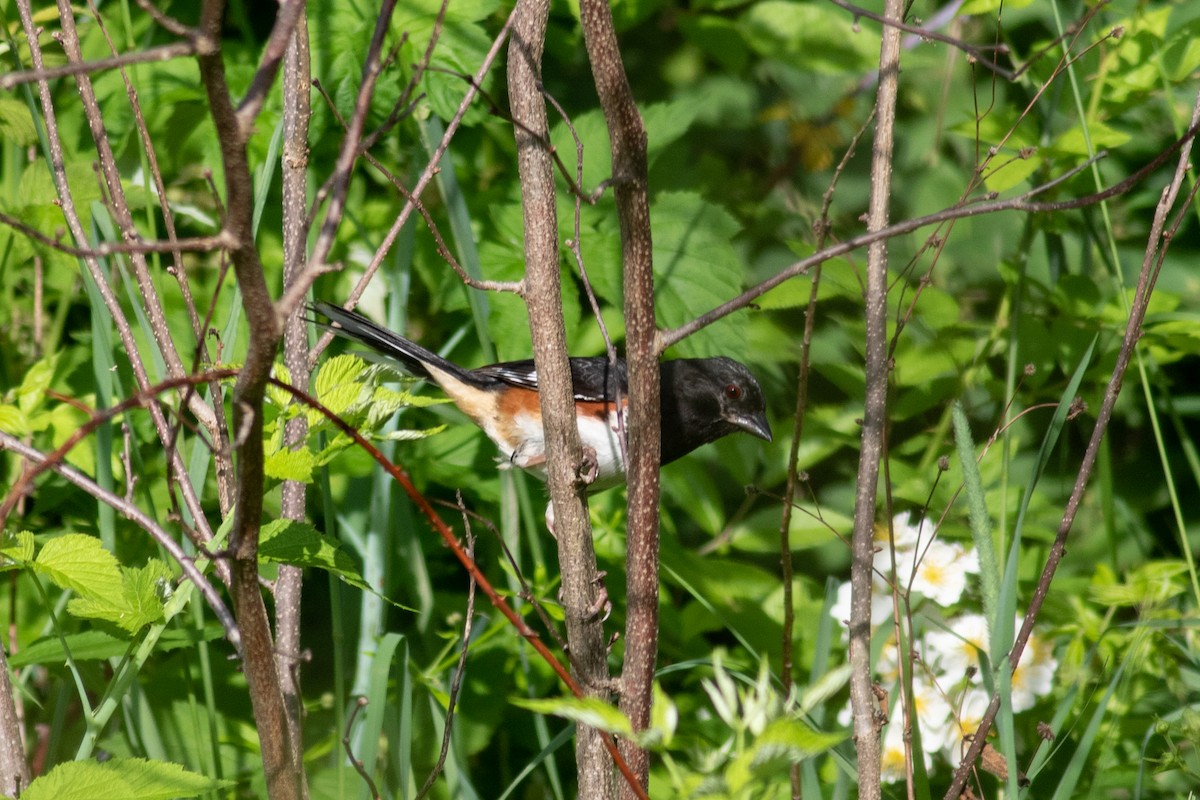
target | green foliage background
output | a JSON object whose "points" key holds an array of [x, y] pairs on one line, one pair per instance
{"points": [[749, 107]]}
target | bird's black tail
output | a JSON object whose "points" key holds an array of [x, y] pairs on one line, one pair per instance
{"points": [[414, 358]]}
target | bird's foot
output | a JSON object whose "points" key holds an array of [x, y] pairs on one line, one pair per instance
{"points": [[589, 467]]}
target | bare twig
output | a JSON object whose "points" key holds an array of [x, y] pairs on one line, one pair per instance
{"points": [[564, 454], [862, 698], [347, 745], [297, 111], [283, 768], [290, 299], [290, 13], [70, 214], [516, 287], [14, 768], [627, 135], [978, 54], [164, 52]]}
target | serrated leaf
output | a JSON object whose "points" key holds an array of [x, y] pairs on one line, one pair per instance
{"points": [[32, 390], [696, 269], [290, 465], [16, 548], [590, 711], [80, 563], [139, 604], [120, 779], [13, 421], [338, 382], [299, 543], [16, 123]]}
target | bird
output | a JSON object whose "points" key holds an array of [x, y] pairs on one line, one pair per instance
{"points": [[702, 399]]}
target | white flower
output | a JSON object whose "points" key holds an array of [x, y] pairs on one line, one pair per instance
{"points": [[933, 712], [908, 535], [971, 707], [1034, 675], [941, 571], [892, 763], [881, 605], [953, 651]]}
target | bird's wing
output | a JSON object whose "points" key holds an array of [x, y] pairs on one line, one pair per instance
{"points": [[592, 379]]}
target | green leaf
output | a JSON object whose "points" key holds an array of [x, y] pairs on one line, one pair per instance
{"points": [[16, 123], [590, 711], [981, 526], [97, 645], [298, 543], [139, 603], [120, 779], [697, 269], [338, 385], [16, 547], [80, 563], [32, 390], [290, 465], [816, 36], [13, 421]]}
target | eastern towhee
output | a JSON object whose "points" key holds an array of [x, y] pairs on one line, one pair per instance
{"points": [[702, 399]]}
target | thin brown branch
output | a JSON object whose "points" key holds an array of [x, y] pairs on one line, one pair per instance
{"points": [[564, 454], [515, 287], [290, 13], [297, 112], [14, 767], [197, 244], [865, 709], [123, 217], [168, 23], [627, 136], [164, 52], [283, 768], [348, 746], [339, 179]]}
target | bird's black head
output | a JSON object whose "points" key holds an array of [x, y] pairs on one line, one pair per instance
{"points": [[704, 399]]}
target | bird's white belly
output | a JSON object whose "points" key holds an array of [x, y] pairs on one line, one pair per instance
{"points": [[599, 437]]}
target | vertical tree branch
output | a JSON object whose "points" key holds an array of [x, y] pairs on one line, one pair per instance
{"points": [[628, 137], [862, 699], [297, 80], [14, 769], [543, 295], [285, 778]]}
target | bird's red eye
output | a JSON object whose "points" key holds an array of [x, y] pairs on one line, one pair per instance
{"points": [[733, 391]]}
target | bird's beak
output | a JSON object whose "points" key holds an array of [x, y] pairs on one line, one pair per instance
{"points": [[755, 425]]}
